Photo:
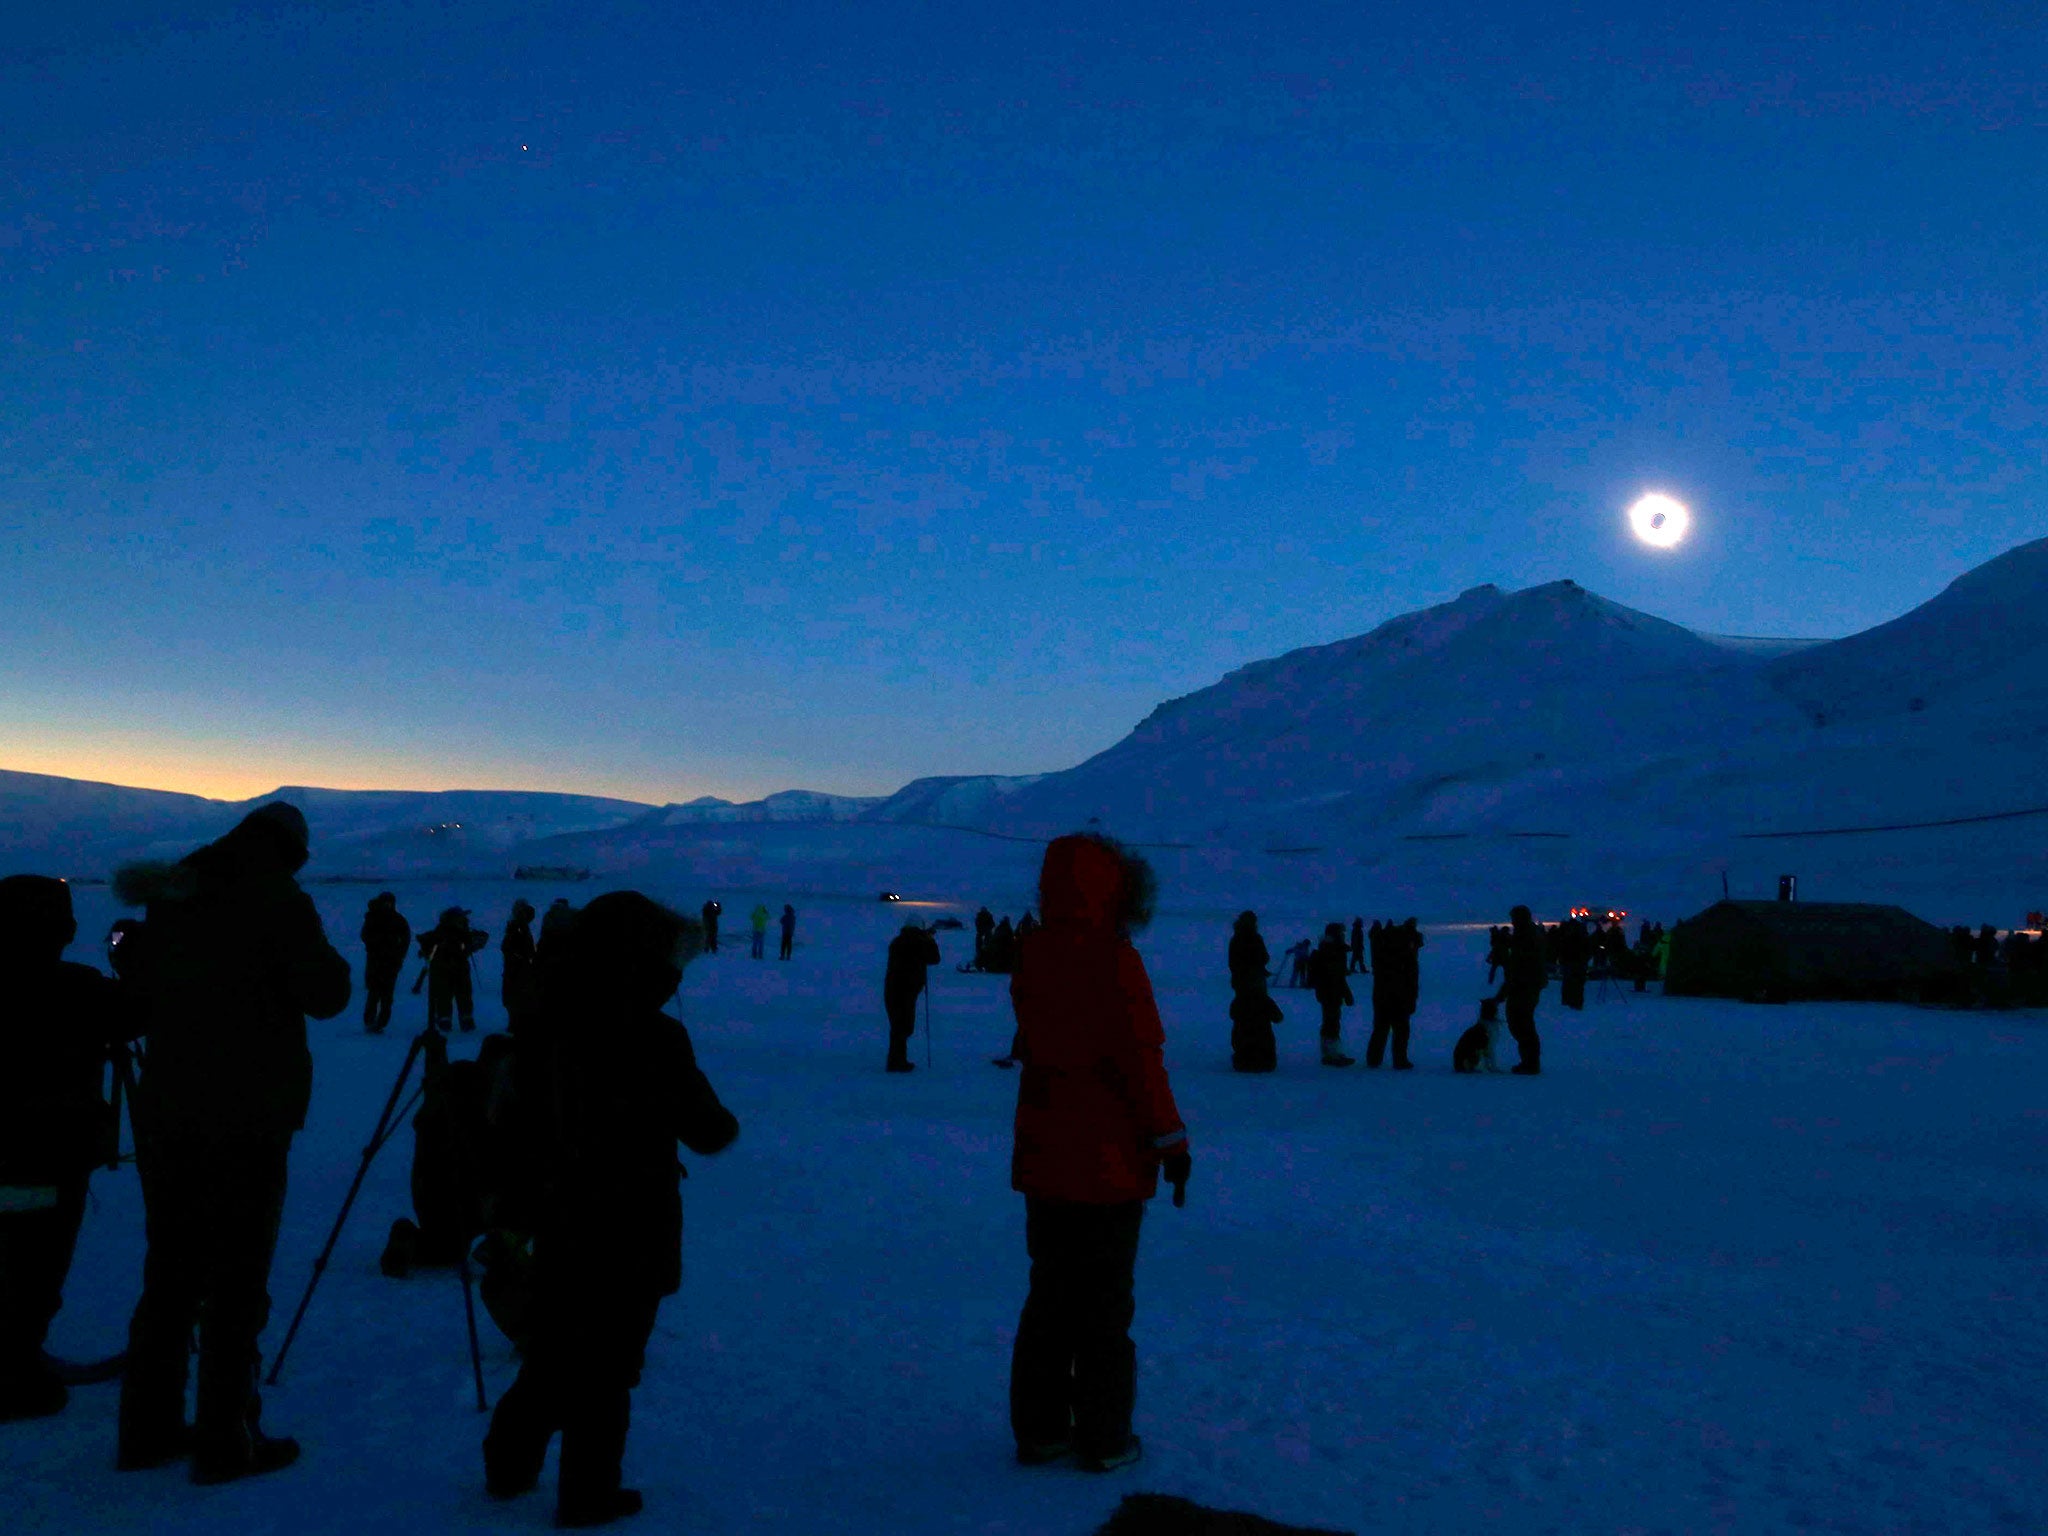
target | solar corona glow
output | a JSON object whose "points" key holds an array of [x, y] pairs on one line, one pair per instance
{"points": [[1660, 521]]}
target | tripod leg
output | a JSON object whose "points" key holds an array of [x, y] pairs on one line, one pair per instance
{"points": [[377, 1139], [476, 1358]]}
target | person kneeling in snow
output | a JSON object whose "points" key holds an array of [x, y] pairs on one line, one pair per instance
{"points": [[1095, 1123], [609, 1244]]}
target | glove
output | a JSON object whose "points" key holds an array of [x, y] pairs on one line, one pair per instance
{"points": [[1177, 1165]]}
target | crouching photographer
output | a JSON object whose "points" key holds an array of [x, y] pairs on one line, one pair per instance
{"points": [[625, 1089]]}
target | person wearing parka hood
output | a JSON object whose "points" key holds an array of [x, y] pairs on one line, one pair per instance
{"points": [[1096, 1122], [234, 962]]}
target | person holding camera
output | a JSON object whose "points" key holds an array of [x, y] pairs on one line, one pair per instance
{"points": [[622, 1089], [236, 962], [1096, 1123], [447, 948], [912, 954], [62, 1024], [386, 937]]}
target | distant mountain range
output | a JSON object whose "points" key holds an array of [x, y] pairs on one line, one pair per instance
{"points": [[1545, 712]]}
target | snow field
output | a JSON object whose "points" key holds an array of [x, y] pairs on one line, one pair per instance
{"points": [[1723, 1269]]}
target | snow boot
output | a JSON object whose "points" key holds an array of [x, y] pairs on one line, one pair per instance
{"points": [[1115, 1461], [32, 1391], [1041, 1454], [602, 1510], [249, 1454], [1526, 1069], [1333, 1056]]}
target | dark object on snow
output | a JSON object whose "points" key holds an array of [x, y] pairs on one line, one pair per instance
{"points": [[1807, 951], [237, 960], [1161, 1514], [1396, 991], [788, 931], [517, 988], [709, 913], [888, 896], [452, 1159]]}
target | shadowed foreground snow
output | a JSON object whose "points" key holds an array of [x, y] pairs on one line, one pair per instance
{"points": [[1725, 1269]]}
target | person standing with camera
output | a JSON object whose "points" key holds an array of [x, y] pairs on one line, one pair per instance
{"points": [[622, 1089], [912, 954], [236, 960]]}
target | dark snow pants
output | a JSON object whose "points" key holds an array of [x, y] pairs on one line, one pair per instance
{"points": [[1522, 1025], [1074, 1371], [902, 1025], [1385, 1022], [380, 980], [1333, 1019], [449, 994], [210, 1211], [583, 1358], [1571, 986], [35, 1257]]}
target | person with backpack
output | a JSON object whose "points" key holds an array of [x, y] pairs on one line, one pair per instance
{"points": [[447, 948], [236, 961], [1096, 1125], [386, 937], [61, 1026], [623, 1089]]}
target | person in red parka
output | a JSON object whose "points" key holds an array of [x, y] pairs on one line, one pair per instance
{"points": [[1095, 1124]]}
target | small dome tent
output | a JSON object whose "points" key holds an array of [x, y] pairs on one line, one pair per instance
{"points": [[1806, 951]]}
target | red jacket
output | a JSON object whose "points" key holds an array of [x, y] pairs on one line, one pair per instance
{"points": [[1094, 1110]]}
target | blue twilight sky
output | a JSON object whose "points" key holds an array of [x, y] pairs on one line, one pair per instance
{"points": [[671, 399]]}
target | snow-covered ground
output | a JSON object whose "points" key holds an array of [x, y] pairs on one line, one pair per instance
{"points": [[1723, 1269]]}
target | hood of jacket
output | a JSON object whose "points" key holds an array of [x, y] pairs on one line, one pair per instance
{"points": [[1082, 885]]}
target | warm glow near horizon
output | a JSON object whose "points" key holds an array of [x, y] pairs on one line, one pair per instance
{"points": [[191, 770]]}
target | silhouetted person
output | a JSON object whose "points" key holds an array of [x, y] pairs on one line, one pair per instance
{"points": [[555, 920], [387, 937], [1096, 1122], [60, 1025], [788, 932], [757, 926], [447, 948], [1526, 976], [1328, 968], [1253, 1013], [912, 954], [1985, 951], [1297, 974], [984, 925], [1002, 948], [1496, 951], [1397, 989], [1026, 926], [235, 962], [1574, 953], [1358, 946], [710, 912], [626, 1088], [518, 989]]}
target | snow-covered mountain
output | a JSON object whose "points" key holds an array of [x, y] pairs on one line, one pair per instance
{"points": [[789, 805], [1553, 710]]}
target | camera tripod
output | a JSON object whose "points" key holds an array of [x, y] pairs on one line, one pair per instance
{"points": [[388, 1122]]}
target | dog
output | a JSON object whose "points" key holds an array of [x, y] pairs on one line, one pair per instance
{"points": [[1474, 1050], [1159, 1514]]}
